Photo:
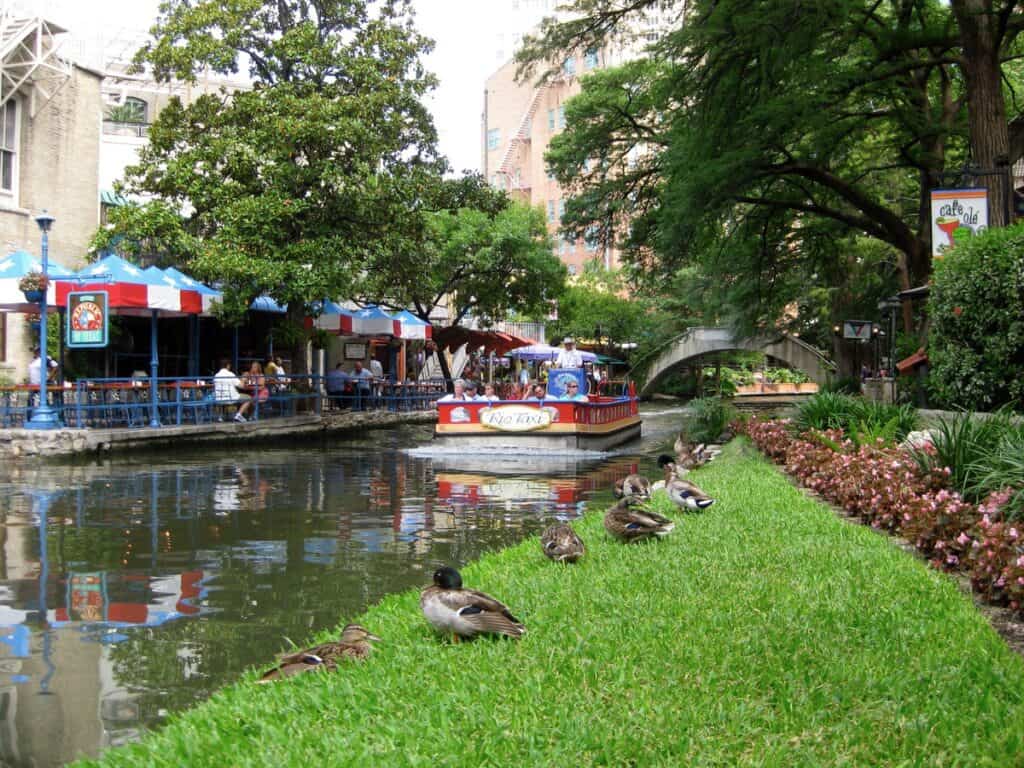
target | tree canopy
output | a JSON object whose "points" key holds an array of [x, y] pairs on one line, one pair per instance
{"points": [[294, 185], [755, 143]]}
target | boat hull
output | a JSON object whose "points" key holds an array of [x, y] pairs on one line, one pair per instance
{"points": [[538, 425]]}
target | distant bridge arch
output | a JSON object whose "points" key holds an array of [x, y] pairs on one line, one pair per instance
{"points": [[702, 341]]}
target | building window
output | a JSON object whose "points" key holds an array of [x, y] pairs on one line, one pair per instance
{"points": [[590, 58], [493, 139], [569, 66], [572, 269], [9, 147], [590, 239], [3, 336], [561, 209], [551, 210], [551, 119], [136, 110], [551, 175], [561, 117]]}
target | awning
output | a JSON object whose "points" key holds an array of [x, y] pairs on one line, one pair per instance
{"points": [[374, 321], [15, 266], [908, 364], [110, 197], [492, 341], [131, 289]]}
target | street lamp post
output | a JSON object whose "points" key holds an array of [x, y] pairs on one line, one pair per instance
{"points": [[44, 417]]}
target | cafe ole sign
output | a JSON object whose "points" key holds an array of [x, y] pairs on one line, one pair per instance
{"points": [[956, 214], [515, 418], [88, 319]]}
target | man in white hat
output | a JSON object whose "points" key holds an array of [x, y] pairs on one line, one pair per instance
{"points": [[569, 357]]}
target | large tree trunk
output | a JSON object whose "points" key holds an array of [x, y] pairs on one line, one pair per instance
{"points": [[980, 39]]}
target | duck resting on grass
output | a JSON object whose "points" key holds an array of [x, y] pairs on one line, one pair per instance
{"points": [[629, 524], [353, 645], [449, 608], [632, 486], [686, 495], [561, 543], [692, 455]]}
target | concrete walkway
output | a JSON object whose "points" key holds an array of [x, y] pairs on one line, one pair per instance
{"points": [[17, 443]]}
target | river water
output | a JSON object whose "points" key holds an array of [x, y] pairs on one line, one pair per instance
{"points": [[137, 586]]}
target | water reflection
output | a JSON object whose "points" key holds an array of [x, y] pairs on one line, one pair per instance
{"points": [[135, 587]]}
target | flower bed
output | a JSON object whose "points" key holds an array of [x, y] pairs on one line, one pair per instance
{"points": [[883, 486]]}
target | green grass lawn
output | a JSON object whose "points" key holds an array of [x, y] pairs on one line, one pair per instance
{"points": [[766, 632]]}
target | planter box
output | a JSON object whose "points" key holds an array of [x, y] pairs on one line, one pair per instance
{"points": [[807, 386], [34, 297]]}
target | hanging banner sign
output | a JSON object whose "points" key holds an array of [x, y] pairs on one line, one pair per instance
{"points": [[88, 319], [857, 329], [956, 214]]}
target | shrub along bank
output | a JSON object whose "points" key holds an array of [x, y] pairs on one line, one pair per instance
{"points": [[764, 632], [907, 493]]}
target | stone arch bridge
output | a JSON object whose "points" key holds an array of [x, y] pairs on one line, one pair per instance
{"points": [[702, 341]]}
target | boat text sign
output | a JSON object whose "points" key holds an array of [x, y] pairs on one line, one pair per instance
{"points": [[515, 418]]}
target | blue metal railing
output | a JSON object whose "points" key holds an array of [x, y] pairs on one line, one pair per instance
{"points": [[108, 403]]}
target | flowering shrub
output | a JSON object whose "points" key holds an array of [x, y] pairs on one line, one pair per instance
{"points": [[33, 281], [886, 488]]}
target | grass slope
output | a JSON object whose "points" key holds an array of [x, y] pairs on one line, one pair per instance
{"points": [[766, 632]]}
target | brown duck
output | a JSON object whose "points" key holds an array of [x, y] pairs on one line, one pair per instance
{"points": [[628, 524], [562, 544], [353, 645]]}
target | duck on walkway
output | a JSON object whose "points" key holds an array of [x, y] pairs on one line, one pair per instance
{"points": [[353, 645], [628, 524], [632, 486], [449, 608], [562, 544]]}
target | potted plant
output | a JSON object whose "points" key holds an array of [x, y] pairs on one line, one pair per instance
{"points": [[34, 285]]}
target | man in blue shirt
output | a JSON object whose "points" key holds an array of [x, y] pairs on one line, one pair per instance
{"points": [[362, 378], [337, 382]]}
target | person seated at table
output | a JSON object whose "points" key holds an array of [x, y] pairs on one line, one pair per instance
{"points": [[363, 379], [256, 383], [337, 385], [459, 394], [227, 389], [572, 392]]}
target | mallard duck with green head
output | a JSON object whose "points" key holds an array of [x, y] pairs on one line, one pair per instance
{"points": [[353, 645], [627, 523], [562, 544], [452, 609]]}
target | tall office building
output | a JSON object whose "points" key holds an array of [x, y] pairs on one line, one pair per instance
{"points": [[520, 119]]}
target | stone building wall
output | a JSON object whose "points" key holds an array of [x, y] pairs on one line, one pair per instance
{"points": [[58, 169]]}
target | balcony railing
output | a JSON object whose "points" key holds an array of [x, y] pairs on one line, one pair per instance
{"points": [[115, 128]]}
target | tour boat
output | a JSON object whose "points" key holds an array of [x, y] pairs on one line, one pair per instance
{"points": [[549, 424]]}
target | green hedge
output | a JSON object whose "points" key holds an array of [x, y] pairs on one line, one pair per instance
{"points": [[976, 312]]}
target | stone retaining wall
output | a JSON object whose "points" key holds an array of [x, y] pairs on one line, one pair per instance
{"points": [[18, 443]]}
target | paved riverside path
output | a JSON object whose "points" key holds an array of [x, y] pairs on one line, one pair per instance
{"points": [[764, 632], [17, 443]]}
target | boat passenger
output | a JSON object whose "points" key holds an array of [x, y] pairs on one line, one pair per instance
{"points": [[572, 392], [538, 393], [569, 357], [458, 394], [489, 394]]}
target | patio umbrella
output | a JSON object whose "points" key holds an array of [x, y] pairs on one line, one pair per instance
{"points": [[412, 327], [331, 316], [372, 321], [209, 295], [15, 266], [546, 352]]}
